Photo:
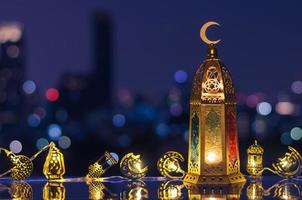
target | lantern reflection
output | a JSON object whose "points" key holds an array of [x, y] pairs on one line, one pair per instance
{"points": [[97, 191], [255, 190], [135, 191], [54, 191], [21, 191], [170, 190]]}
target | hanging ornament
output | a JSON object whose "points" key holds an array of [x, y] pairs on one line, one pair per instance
{"points": [[22, 166], [289, 166], [168, 165], [97, 169], [132, 166], [54, 166]]}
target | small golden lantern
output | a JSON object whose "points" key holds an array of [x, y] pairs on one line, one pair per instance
{"points": [[255, 159], [106, 161], [54, 166], [213, 141], [54, 191]]}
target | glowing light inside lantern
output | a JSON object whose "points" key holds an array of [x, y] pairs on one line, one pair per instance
{"points": [[212, 157]]}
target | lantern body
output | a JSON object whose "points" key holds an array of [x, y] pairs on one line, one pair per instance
{"points": [[213, 145], [255, 160]]}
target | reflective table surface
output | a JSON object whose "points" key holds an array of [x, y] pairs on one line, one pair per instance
{"points": [[270, 187]]}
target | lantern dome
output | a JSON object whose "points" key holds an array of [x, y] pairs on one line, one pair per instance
{"points": [[255, 149], [212, 82]]}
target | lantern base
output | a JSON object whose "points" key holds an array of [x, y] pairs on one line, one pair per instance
{"points": [[214, 179], [200, 191]]}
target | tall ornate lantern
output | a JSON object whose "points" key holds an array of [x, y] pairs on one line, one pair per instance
{"points": [[213, 145]]}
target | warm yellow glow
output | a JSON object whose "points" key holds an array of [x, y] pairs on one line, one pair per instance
{"points": [[172, 167], [138, 166], [212, 157], [173, 193], [138, 194]]}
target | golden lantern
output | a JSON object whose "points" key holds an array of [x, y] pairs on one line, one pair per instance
{"points": [[54, 166], [255, 160], [213, 144]]}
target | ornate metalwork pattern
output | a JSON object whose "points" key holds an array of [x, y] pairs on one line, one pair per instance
{"points": [[194, 144], [232, 138], [213, 136], [229, 90], [196, 86]]}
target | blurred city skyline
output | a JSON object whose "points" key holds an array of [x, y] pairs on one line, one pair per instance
{"points": [[153, 40]]}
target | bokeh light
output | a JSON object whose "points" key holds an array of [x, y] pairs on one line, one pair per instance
{"points": [[33, 120], [64, 142], [29, 87], [252, 100], [52, 94], [285, 108], [61, 115], [296, 133], [264, 108], [15, 146], [118, 120], [176, 109], [54, 131], [124, 140], [162, 129], [259, 126], [286, 139], [180, 76], [297, 87], [41, 142]]}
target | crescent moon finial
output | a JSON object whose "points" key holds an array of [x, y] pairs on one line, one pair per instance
{"points": [[203, 33]]}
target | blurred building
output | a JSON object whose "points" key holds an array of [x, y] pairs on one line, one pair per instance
{"points": [[11, 72], [80, 94]]}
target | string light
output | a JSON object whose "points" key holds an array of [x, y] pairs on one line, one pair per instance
{"points": [[97, 169], [254, 159], [168, 165], [132, 166], [54, 166], [288, 166]]}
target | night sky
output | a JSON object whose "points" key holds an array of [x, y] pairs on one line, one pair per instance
{"points": [[261, 40]]}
